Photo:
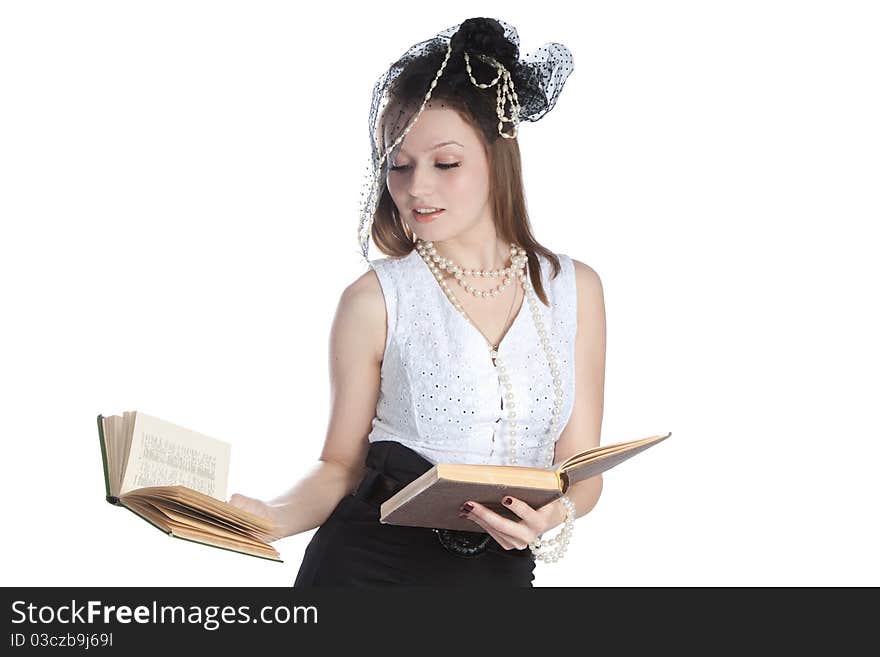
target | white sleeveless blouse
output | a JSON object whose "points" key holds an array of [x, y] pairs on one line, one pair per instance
{"points": [[440, 393]]}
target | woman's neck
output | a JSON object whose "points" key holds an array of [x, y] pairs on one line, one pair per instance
{"points": [[485, 254]]}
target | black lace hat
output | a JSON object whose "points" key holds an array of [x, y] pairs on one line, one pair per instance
{"points": [[466, 60]]}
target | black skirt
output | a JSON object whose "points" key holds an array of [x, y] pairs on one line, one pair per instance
{"points": [[353, 549]]}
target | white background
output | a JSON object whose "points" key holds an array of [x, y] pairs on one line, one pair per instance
{"points": [[179, 186]]}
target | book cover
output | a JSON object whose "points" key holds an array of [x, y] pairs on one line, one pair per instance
{"points": [[433, 499]]}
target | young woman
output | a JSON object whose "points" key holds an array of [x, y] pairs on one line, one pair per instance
{"points": [[469, 343]]}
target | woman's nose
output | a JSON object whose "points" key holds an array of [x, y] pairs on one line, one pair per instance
{"points": [[420, 183]]}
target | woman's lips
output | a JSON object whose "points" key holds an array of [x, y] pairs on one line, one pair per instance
{"points": [[426, 218]]}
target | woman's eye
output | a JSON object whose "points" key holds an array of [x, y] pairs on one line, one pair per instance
{"points": [[439, 166]]}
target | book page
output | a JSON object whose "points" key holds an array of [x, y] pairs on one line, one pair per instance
{"points": [[164, 454]]}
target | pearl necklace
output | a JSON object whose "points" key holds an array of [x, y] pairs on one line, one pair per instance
{"points": [[516, 269], [519, 259]]}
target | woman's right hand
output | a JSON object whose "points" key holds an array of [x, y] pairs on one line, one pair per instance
{"points": [[259, 508]]}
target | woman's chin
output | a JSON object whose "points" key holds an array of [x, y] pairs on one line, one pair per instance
{"points": [[432, 232]]}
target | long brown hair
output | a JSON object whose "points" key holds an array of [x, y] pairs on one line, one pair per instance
{"points": [[506, 193]]}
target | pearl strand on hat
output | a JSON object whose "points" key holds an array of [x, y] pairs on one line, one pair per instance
{"points": [[506, 93]]}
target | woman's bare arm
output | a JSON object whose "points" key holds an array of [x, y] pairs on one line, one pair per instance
{"points": [[585, 424], [357, 344]]}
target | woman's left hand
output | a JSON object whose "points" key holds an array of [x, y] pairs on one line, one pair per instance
{"points": [[511, 534]]}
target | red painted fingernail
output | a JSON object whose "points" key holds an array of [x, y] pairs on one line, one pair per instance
{"points": [[508, 501], [467, 506]]}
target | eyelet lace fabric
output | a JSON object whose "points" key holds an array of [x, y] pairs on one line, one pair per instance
{"points": [[440, 393]]}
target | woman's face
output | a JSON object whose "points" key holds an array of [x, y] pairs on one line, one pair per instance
{"points": [[454, 176]]}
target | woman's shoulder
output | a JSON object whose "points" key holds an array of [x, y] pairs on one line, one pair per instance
{"points": [[390, 264], [583, 272], [585, 275], [360, 313], [369, 300], [368, 288], [588, 287], [577, 277]]}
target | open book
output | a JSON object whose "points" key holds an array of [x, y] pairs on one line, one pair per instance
{"points": [[433, 499], [175, 479]]}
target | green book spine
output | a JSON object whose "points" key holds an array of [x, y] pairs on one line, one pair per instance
{"points": [[110, 498]]}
